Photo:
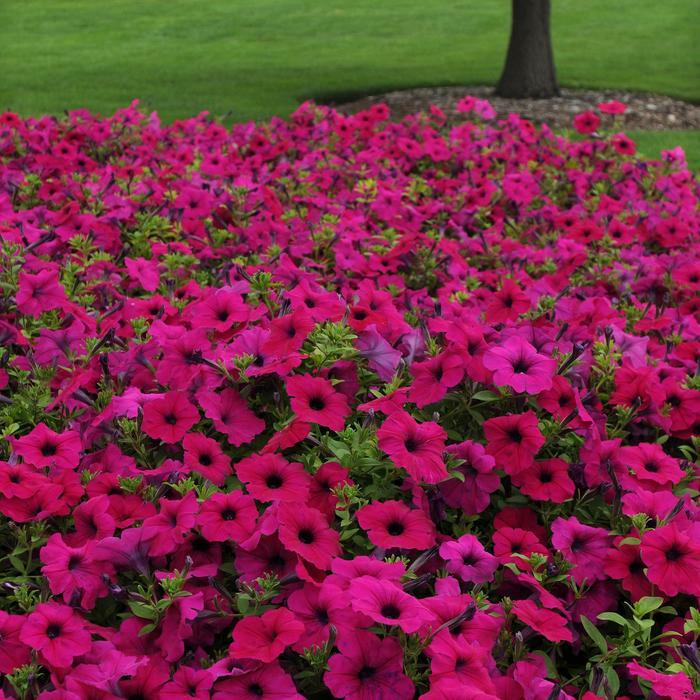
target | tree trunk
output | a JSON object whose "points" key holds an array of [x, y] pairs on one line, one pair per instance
{"points": [[529, 69]]}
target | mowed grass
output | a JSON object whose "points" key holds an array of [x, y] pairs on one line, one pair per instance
{"points": [[249, 59]]}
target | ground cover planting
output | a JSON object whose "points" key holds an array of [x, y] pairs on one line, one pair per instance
{"points": [[345, 407]]}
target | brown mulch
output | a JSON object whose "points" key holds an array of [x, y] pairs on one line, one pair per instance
{"points": [[644, 111]]}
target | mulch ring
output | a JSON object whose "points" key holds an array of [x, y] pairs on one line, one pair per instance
{"points": [[644, 111]]}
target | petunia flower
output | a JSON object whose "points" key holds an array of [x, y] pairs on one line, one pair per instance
{"points": [[467, 558], [230, 413], [513, 440], [56, 633], [43, 447], [518, 365], [385, 602], [546, 480], [314, 400], [583, 546], [271, 477], [13, 652], [418, 447], [548, 623], [264, 637], [393, 524], [368, 667], [169, 418], [673, 559], [227, 516], [305, 531]]}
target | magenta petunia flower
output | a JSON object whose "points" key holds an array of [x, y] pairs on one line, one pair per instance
{"points": [[548, 623], [57, 633], [385, 602], [227, 516], [313, 399], [40, 292], [467, 558], [393, 524], [513, 440], [418, 447], [583, 546], [264, 637], [368, 667], [204, 455], [518, 365], [169, 418], [230, 413], [271, 477], [43, 447], [306, 532], [672, 556], [13, 652]]}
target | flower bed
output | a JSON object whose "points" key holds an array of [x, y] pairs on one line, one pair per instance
{"points": [[342, 407]]}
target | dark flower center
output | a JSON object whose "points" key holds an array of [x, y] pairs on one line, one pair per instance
{"points": [[468, 560], [276, 561], [366, 672], [673, 554], [228, 514], [322, 616], [636, 567], [317, 403], [74, 562], [306, 536], [256, 689], [170, 418], [545, 477], [410, 444], [205, 460], [521, 367], [651, 467], [274, 481], [577, 544], [390, 611], [48, 449], [52, 631], [395, 529], [515, 435]]}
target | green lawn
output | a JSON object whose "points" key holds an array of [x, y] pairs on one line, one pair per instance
{"points": [[254, 58]]}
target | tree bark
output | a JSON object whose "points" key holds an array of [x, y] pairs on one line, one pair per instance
{"points": [[529, 68]]}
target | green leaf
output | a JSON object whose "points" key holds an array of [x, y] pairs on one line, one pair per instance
{"points": [[613, 617], [613, 682], [630, 540], [486, 396], [594, 634], [142, 610], [647, 604]]}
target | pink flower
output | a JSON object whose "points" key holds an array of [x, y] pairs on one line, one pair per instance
{"points": [[264, 637], [306, 532], [586, 122], [513, 440], [57, 633], [314, 400], [169, 418], [518, 365], [40, 292], [367, 667], [584, 546], [418, 447], [673, 559], [385, 602], [394, 524], [42, 447], [548, 623], [467, 558]]}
